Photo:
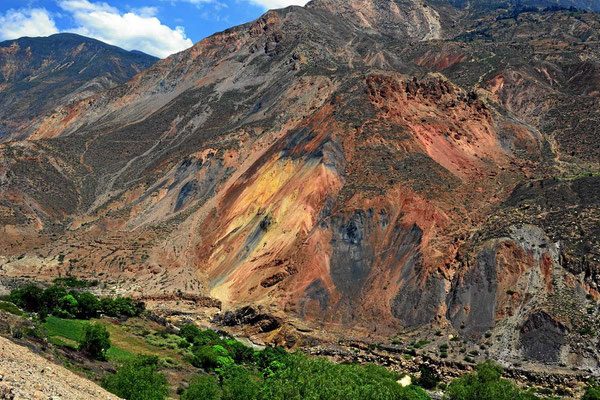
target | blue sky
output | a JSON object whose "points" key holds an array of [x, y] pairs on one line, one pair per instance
{"points": [[157, 27]]}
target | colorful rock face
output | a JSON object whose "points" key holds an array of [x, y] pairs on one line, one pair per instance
{"points": [[367, 164]]}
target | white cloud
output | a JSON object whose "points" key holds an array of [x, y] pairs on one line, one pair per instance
{"points": [[132, 30], [26, 22], [272, 4]]}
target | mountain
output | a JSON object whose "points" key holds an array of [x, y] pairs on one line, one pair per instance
{"points": [[362, 168], [37, 74]]}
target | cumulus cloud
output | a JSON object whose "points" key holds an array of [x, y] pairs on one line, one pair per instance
{"points": [[272, 4], [26, 22], [132, 30]]}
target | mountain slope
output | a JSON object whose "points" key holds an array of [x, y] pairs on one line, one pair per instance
{"points": [[37, 74], [367, 166]]}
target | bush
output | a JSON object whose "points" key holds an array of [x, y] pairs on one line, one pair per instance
{"points": [[138, 380], [203, 387], [240, 383], [189, 332], [11, 308], [428, 379], [239, 352], [592, 392], [95, 341], [485, 384], [205, 357]]}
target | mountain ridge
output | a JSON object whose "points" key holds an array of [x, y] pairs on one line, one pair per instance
{"points": [[38, 74]]}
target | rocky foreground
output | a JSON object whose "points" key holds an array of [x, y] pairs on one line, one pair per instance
{"points": [[25, 375]]}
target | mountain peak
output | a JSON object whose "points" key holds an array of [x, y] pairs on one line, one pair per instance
{"points": [[413, 19], [39, 73]]}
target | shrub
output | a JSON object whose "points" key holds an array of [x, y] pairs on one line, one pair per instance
{"points": [[137, 379], [428, 378], [240, 383], [11, 308], [205, 357], [189, 332], [239, 352], [95, 341], [485, 384], [592, 392], [204, 387]]}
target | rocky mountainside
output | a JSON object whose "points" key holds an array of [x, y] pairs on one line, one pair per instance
{"points": [[37, 74], [363, 166]]}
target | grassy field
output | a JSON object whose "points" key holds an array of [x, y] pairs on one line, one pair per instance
{"points": [[124, 343], [68, 332]]}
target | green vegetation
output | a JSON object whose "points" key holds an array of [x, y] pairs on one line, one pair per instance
{"points": [[56, 301], [486, 384], [65, 332], [138, 379], [428, 378], [72, 282], [420, 343], [592, 392], [202, 387], [11, 308], [226, 368], [95, 341], [241, 373]]}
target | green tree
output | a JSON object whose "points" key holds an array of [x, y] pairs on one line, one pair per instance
{"points": [[29, 298], [239, 352], [107, 306], [51, 298], [138, 379], [67, 307], [203, 387], [95, 341], [89, 305]]}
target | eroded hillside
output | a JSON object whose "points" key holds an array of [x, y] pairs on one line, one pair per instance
{"points": [[372, 166]]}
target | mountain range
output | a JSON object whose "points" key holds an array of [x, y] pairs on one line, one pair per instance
{"points": [[38, 74], [362, 168]]}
